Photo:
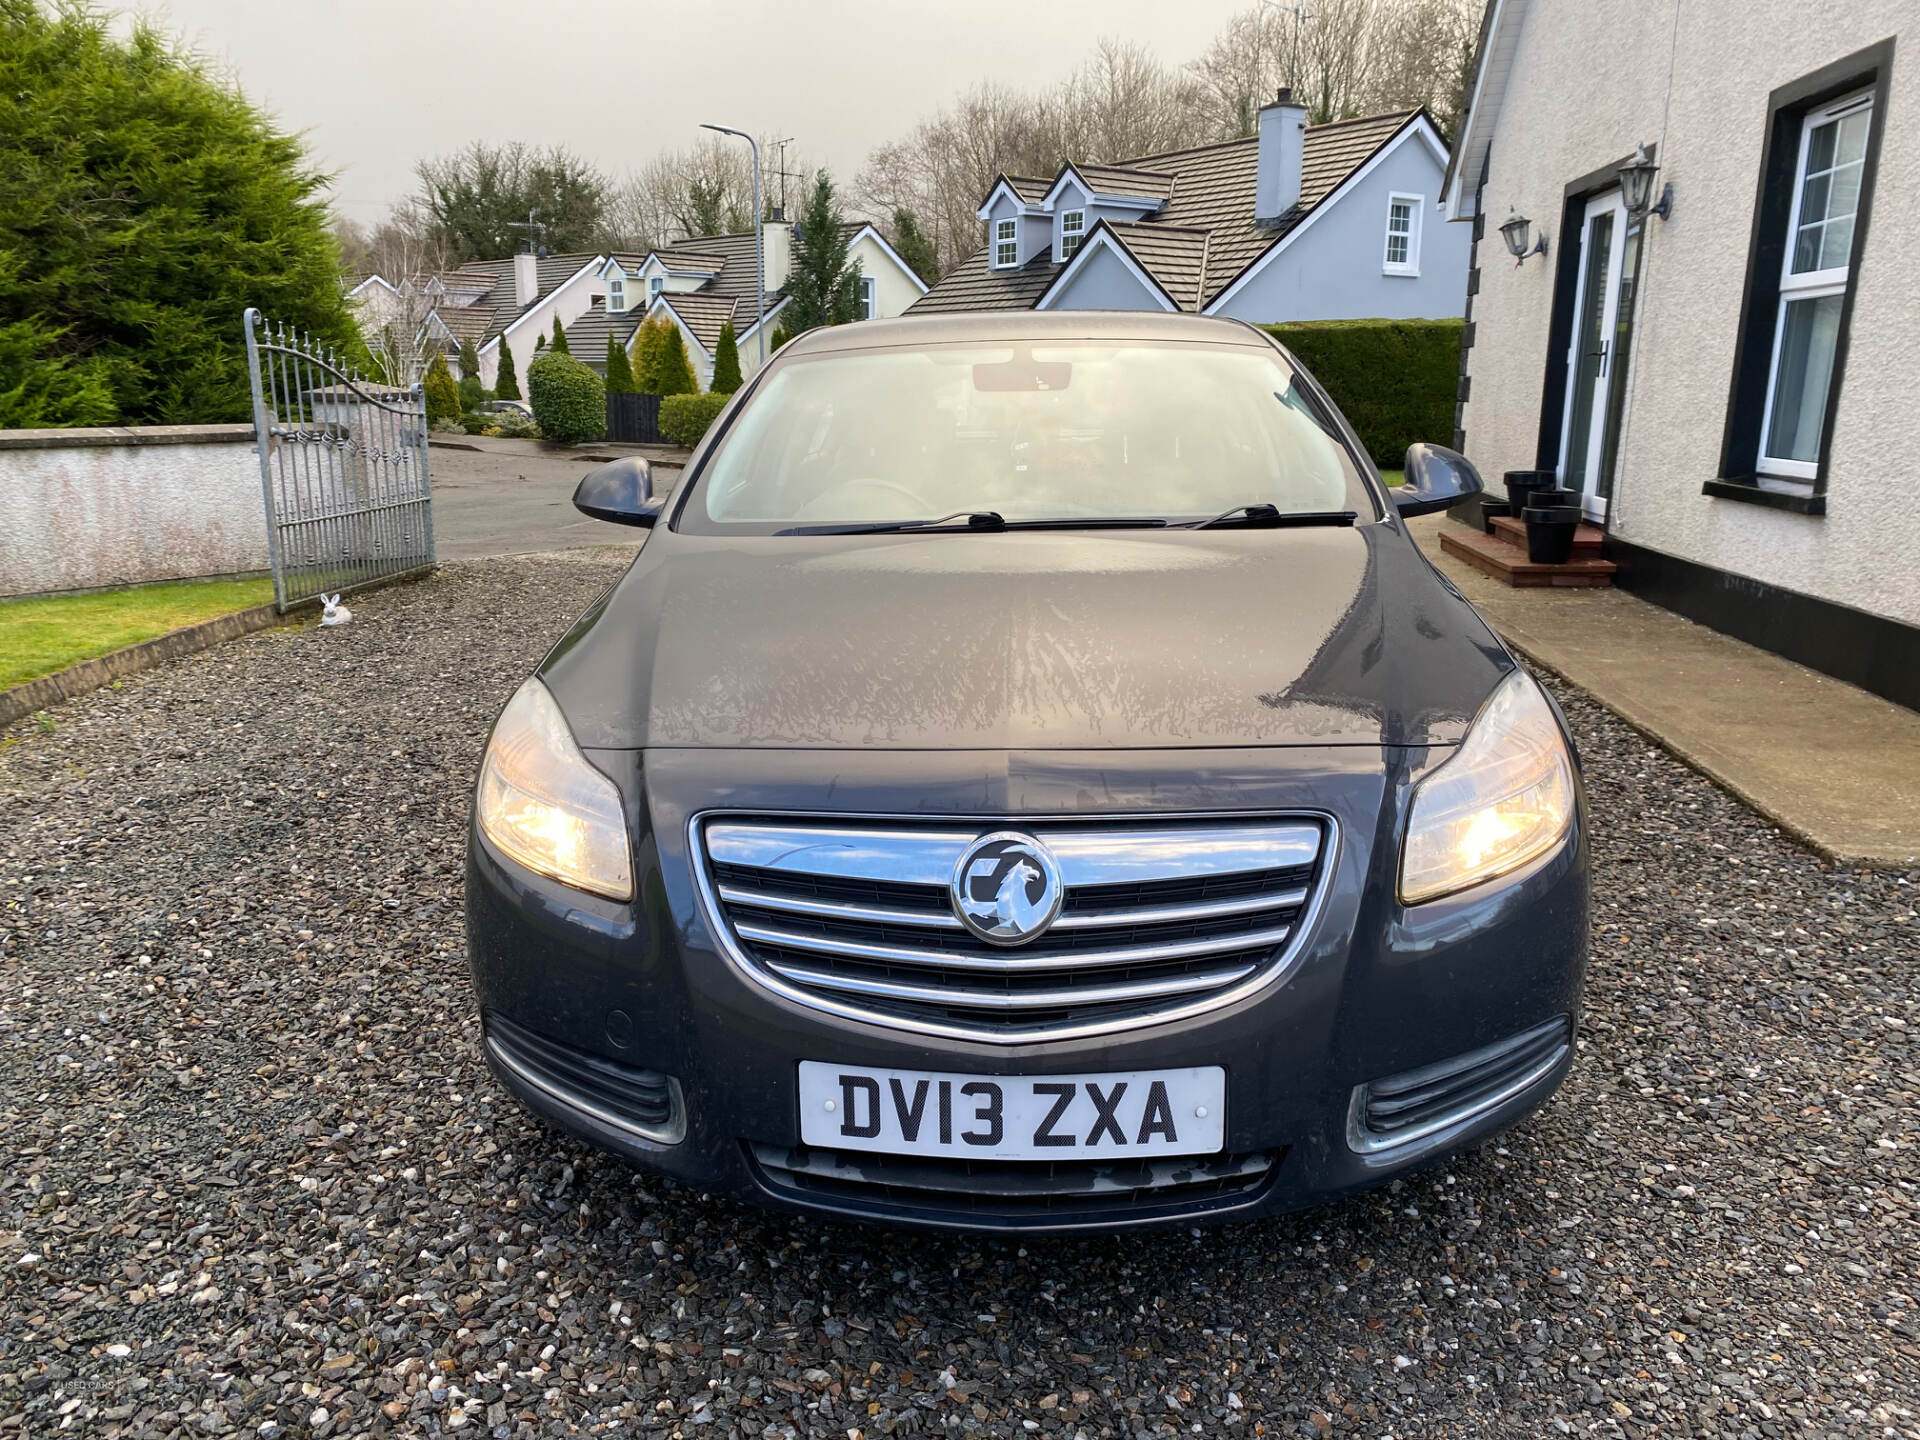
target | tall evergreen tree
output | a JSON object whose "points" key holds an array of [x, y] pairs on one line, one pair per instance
{"points": [[823, 286], [144, 202], [676, 370], [619, 372], [646, 354], [469, 360], [559, 345], [442, 395], [779, 337], [506, 384], [726, 362], [915, 246]]}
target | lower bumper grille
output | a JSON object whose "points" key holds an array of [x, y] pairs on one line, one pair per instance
{"points": [[1417, 1104], [638, 1102], [1156, 919], [1035, 1191]]}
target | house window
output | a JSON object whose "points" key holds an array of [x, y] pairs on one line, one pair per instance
{"points": [[1073, 229], [655, 286], [617, 295], [1827, 176], [1810, 220], [869, 298], [1403, 234], [1006, 242]]}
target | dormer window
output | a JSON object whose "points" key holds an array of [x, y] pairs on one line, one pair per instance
{"points": [[1073, 229], [617, 295], [1006, 243], [656, 285]]}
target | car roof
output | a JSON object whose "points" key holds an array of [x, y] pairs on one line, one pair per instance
{"points": [[1016, 325]]}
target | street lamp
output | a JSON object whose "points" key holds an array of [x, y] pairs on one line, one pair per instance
{"points": [[759, 250]]}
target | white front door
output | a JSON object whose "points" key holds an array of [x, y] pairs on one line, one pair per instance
{"points": [[1590, 357]]}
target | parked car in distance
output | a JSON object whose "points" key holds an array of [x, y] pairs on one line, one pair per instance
{"points": [[1030, 778], [507, 407]]}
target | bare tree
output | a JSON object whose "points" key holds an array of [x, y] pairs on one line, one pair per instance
{"points": [[1422, 51]]}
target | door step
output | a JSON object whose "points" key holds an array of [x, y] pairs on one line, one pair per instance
{"points": [[1586, 537], [1504, 560]]}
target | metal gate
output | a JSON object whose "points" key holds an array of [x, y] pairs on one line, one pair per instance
{"points": [[343, 466]]}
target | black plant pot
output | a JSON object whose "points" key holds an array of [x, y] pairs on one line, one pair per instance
{"points": [[1491, 510], [1552, 495], [1550, 530], [1522, 483]]}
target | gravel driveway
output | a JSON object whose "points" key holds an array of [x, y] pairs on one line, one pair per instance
{"points": [[256, 1177]]}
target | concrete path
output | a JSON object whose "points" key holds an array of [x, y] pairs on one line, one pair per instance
{"points": [[515, 497], [1833, 764]]}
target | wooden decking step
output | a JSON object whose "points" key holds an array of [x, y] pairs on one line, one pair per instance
{"points": [[1506, 561], [1586, 538]]}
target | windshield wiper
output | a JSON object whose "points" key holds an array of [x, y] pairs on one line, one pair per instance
{"points": [[976, 520], [1272, 517]]}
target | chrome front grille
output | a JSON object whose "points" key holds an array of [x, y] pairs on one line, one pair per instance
{"points": [[1159, 919]]}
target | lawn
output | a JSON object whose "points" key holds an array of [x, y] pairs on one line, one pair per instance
{"points": [[1394, 477], [40, 636]]}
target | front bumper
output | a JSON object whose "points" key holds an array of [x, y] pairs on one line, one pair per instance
{"points": [[1377, 993]]}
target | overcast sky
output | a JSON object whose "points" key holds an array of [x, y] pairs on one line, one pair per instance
{"points": [[376, 84]]}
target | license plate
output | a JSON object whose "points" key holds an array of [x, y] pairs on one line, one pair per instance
{"points": [[1118, 1114]]}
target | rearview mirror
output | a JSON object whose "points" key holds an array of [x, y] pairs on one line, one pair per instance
{"points": [[621, 491], [1437, 478]]}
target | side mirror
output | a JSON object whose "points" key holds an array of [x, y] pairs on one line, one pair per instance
{"points": [[1437, 479], [621, 491]]}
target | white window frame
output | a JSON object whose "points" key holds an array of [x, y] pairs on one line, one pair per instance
{"points": [[655, 284], [1072, 240], [869, 297], [1809, 285], [1006, 233], [1416, 207], [617, 295]]}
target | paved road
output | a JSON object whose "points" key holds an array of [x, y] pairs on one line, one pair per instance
{"points": [[515, 502], [255, 1178]]}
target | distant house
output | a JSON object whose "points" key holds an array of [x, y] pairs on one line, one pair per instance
{"points": [[1296, 222], [702, 284], [1727, 380]]}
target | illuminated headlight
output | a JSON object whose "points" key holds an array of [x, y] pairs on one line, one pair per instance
{"points": [[1503, 798], [541, 803]]}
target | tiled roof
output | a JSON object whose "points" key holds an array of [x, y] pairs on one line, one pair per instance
{"points": [[975, 285], [1030, 188], [678, 258], [465, 322], [703, 312], [1123, 180], [1211, 193], [587, 336]]}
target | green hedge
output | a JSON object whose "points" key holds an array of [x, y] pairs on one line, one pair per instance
{"points": [[1394, 380], [569, 401], [685, 418]]}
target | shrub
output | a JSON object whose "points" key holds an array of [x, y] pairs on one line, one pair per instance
{"points": [[674, 374], [685, 418], [726, 363], [559, 346], [469, 360], [506, 384], [569, 400], [619, 372], [443, 396], [512, 425], [779, 338], [1394, 380], [474, 423], [472, 393], [646, 354]]}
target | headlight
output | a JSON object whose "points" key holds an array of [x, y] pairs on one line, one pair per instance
{"points": [[543, 804], [1504, 797]]}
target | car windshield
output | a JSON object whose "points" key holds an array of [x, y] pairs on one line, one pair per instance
{"points": [[1034, 433]]}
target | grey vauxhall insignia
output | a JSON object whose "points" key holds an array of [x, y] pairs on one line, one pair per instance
{"points": [[1030, 779]]}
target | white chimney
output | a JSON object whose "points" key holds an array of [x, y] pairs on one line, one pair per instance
{"points": [[777, 236], [526, 274], [1283, 144]]}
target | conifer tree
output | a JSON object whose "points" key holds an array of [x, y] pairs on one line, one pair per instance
{"points": [[619, 372], [726, 362], [823, 285], [559, 346], [442, 395], [646, 354], [778, 338], [676, 370], [506, 384], [915, 246], [469, 360]]}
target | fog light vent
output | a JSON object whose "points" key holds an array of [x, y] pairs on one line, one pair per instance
{"points": [[1416, 1104], [638, 1102]]}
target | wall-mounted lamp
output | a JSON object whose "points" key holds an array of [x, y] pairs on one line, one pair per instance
{"points": [[1515, 231], [1636, 185]]}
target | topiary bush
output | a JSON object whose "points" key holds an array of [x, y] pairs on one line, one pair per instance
{"points": [[506, 381], [569, 401], [442, 395], [685, 418], [472, 393], [673, 370], [726, 363], [1394, 380]]}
